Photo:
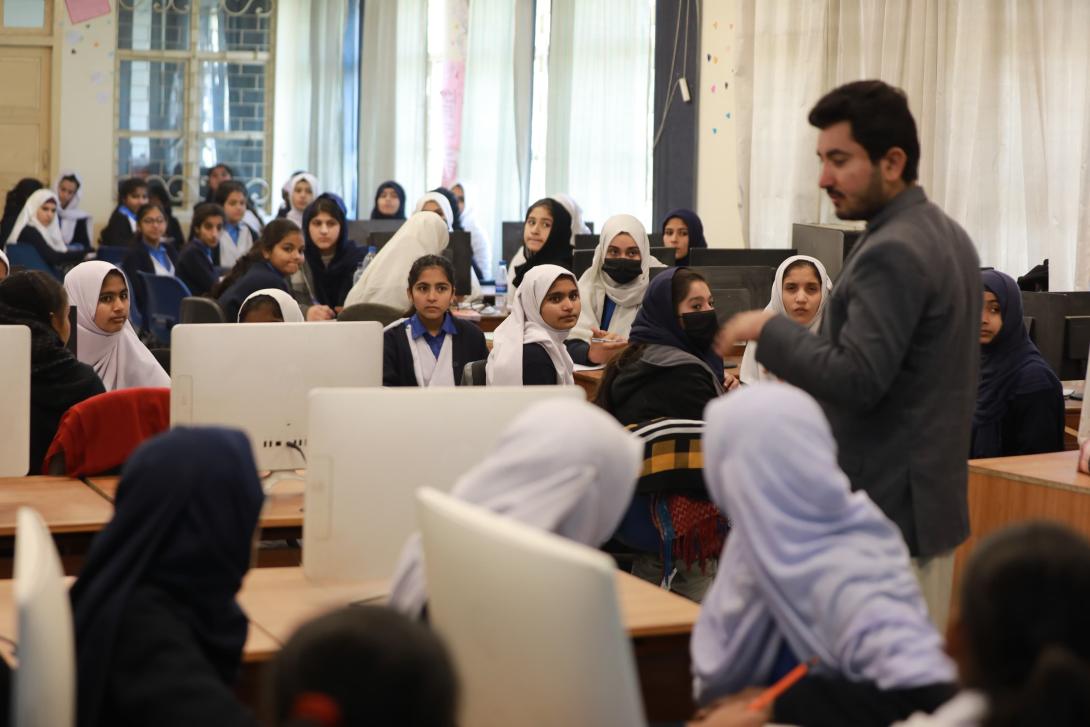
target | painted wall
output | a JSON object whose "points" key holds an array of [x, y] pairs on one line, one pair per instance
{"points": [[84, 108], [717, 175]]}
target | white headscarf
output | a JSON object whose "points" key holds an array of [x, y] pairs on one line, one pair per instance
{"points": [[296, 215], [444, 204], [289, 308], [387, 277], [525, 325], [808, 562], [72, 215], [578, 227], [478, 236], [582, 496], [594, 285], [29, 216], [119, 359], [7, 263], [751, 372]]}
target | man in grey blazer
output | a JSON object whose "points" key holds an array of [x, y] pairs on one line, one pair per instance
{"points": [[896, 361]]}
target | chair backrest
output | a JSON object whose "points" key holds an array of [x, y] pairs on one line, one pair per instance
{"points": [[114, 254], [15, 422], [98, 434], [44, 693], [164, 303], [384, 314], [473, 373], [200, 310], [532, 620], [26, 256]]}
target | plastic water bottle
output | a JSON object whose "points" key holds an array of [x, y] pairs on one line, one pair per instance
{"points": [[501, 287], [371, 252]]}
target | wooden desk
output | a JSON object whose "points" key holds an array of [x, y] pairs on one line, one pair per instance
{"points": [[490, 323], [1007, 490], [66, 504]]}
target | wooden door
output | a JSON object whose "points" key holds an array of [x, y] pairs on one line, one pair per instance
{"points": [[24, 113]]}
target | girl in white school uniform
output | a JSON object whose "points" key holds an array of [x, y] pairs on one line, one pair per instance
{"points": [[580, 496], [105, 339], [237, 237], [528, 347], [76, 223], [800, 292], [383, 282], [301, 190], [612, 290], [430, 347]]}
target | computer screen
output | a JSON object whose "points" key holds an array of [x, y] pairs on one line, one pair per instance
{"points": [[724, 257], [256, 377], [512, 239], [359, 230]]}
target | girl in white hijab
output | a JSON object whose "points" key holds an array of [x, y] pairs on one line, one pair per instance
{"points": [[613, 283], [800, 291], [71, 217], [298, 198], [810, 567], [581, 497], [383, 281], [28, 217], [105, 339], [289, 308], [440, 202], [526, 325]]}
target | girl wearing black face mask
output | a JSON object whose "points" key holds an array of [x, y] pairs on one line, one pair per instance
{"points": [[669, 368], [612, 290]]}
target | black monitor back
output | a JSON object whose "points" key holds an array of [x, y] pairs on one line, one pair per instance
{"points": [[359, 230], [512, 239], [586, 242], [728, 257], [1060, 326], [737, 289]]}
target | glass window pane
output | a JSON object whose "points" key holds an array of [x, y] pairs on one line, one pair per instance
{"points": [[149, 26], [151, 96], [246, 157], [24, 13], [144, 156], [232, 97], [232, 25]]}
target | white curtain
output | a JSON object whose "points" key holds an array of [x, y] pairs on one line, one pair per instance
{"points": [[393, 98], [309, 105], [1001, 95], [490, 151], [600, 96]]}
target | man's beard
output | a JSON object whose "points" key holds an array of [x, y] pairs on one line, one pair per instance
{"points": [[869, 203]]}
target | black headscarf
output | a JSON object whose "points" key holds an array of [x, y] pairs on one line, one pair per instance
{"points": [[696, 229], [24, 302], [186, 510], [557, 247], [456, 223], [333, 281], [400, 192], [13, 205], [657, 322], [1010, 365]]}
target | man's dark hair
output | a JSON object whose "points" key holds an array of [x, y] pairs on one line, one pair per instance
{"points": [[879, 117]]}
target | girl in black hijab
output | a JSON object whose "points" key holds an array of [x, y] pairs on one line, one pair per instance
{"points": [[36, 300], [399, 213], [329, 268], [556, 250], [159, 634]]}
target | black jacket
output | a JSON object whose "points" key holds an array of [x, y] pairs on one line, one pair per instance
{"points": [[397, 358], [118, 231], [52, 393], [643, 391], [57, 260], [195, 269], [139, 261], [260, 275], [537, 367]]}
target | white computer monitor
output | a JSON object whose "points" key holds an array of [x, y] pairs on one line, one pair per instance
{"points": [[15, 423], [45, 682], [371, 449], [532, 620], [256, 377]]}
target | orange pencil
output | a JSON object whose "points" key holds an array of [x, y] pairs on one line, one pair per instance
{"points": [[768, 696]]}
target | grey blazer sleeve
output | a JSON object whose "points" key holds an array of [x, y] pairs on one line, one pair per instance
{"points": [[878, 308]]}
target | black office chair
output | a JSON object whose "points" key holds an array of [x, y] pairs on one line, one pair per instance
{"points": [[473, 374], [384, 314], [200, 310]]}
